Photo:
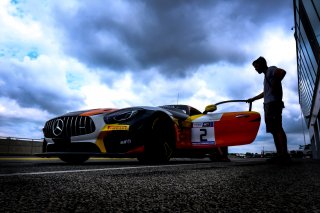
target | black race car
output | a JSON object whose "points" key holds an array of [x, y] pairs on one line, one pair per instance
{"points": [[151, 134]]}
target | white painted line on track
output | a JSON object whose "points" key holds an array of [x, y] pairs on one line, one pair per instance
{"points": [[95, 170]]}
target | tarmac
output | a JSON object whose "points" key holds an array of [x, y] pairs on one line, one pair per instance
{"points": [[242, 185]]}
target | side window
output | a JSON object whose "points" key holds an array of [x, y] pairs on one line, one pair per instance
{"points": [[194, 111]]}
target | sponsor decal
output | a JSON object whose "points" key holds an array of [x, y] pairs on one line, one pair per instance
{"points": [[197, 125], [202, 124], [115, 127], [127, 141]]}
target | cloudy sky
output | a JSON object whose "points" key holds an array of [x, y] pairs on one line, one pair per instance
{"points": [[58, 56]]}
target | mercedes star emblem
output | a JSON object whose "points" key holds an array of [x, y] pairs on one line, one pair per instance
{"points": [[57, 127]]}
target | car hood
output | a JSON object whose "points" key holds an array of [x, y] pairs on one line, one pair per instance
{"points": [[90, 112]]}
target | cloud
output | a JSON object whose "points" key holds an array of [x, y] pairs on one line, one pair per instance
{"points": [[38, 83], [177, 37], [18, 121]]}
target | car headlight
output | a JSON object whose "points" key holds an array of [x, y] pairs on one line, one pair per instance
{"points": [[121, 115]]}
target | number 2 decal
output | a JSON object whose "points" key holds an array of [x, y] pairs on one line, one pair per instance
{"points": [[203, 135]]}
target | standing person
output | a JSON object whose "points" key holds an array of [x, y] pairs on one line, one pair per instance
{"points": [[273, 105]]}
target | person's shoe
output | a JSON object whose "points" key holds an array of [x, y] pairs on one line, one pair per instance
{"points": [[226, 159], [281, 160], [220, 159]]}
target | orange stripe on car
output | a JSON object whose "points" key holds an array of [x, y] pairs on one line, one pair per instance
{"points": [[97, 111]]}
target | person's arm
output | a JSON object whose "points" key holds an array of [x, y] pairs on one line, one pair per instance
{"points": [[276, 83], [261, 95], [279, 74]]}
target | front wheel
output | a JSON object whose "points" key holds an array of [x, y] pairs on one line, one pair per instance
{"points": [[160, 144], [78, 159]]}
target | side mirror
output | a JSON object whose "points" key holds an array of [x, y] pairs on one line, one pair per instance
{"points": [[210, 108]]}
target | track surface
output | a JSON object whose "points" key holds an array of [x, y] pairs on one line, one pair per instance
{"points": [[182, 185]]}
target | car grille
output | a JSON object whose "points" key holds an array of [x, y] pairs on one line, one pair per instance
{"points": [[67, 126]]}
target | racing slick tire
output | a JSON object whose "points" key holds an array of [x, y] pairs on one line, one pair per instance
{"points": [[78, 159], [160, 144]]}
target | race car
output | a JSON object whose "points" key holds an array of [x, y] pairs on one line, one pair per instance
{"points": [[150, 134]]}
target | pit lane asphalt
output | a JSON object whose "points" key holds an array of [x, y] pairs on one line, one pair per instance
{"points": [[243, 185]]}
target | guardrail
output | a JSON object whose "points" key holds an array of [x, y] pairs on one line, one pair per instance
{"points": [[20, 139], [20, 146]]}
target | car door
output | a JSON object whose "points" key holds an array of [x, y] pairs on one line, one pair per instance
{"points": [[236, 128]]}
